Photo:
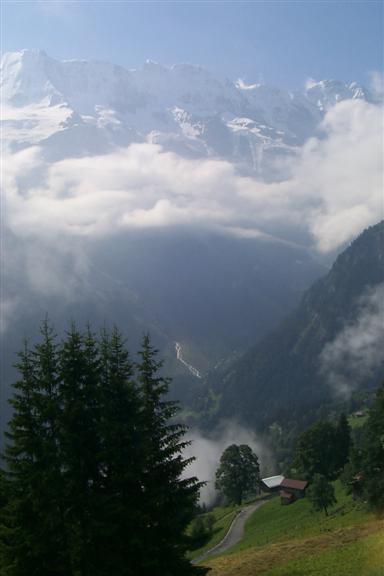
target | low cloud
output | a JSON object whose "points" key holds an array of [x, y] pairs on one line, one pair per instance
{"points": [[377, 84], [8, 307], [334, 191], [208, 449], [357, 351], [54, 211], [345, 171]]}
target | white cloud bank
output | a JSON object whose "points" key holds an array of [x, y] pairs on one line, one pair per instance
{"points": [[54, 210], [359, 347], [335, 190]]}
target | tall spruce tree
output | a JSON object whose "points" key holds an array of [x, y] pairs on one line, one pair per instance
{"points": [[168, 500], [33, 531], [80, 441], [120, 458]]}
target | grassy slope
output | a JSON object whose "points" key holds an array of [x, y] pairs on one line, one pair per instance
{"points": [[364, 556], [275, 522], [295, 541]]}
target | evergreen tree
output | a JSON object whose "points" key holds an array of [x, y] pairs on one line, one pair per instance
{"points": [[79, 439], [343, 443], [321, 493], [33, 531], [4, 498], [373, 453], [238, 473], [168, 500], [121, 460]]}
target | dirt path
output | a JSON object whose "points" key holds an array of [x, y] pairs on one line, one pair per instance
{"points": [[234, 534]]}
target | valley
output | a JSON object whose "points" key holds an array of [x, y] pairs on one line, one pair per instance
{"points": [[192, 298]]}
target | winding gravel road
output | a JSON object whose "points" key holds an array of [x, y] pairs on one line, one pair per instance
{"points": [[234, 534]]}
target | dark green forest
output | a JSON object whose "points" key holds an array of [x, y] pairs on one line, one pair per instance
{"points": [[93, 479], [326, 451]]}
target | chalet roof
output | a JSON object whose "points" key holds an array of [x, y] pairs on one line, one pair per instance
{"points": [[273, 481], [294, 484]]}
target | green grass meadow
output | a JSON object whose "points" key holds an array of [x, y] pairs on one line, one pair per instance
{"points": [[274, 522], [294, 540], [364, 557]]}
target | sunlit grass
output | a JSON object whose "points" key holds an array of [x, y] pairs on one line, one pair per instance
{"points": [[296, 541], [363, 557], [273, 522], [353, 551]]}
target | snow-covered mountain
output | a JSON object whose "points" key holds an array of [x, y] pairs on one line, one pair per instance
{"points": [[75, 108]]}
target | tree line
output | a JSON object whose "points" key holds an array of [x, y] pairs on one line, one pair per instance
{"points": [[93, 479], [326, 451]]}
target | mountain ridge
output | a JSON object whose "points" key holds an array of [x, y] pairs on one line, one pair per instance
{"points": [[184, 108], [285, 377]]}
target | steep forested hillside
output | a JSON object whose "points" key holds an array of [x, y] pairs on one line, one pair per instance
{"points": [[327, 348]]}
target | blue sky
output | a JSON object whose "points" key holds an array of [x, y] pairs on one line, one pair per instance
{"points": [[280, 43]]}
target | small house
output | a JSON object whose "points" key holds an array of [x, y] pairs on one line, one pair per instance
{"points": [[288, 488], [271, 484], [295, 487]]}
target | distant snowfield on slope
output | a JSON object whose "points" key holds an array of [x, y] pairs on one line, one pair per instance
{"points": [[33, 123]]}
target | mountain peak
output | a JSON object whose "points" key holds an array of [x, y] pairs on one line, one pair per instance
{"points": [[327, 93], [232, 120], [24, 77]]}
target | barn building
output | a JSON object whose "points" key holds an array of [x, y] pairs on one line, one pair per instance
{"points": [[296, 487], [288, 488], [271, 484]]}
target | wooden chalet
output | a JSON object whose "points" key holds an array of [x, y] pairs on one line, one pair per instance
{"points": [[288, 488], [291, 490], [271, 484]]}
